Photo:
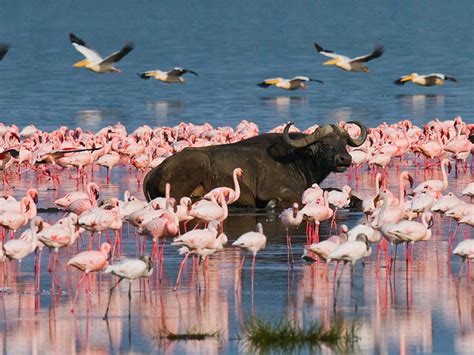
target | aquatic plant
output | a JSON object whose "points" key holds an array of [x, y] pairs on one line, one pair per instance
{"points": [[262, 335], [194, 333]]}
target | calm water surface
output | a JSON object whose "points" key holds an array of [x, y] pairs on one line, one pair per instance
{"points": [[233, 46], [420, 308]]}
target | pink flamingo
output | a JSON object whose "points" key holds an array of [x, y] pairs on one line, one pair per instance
{"points": [[316, 212], [232, 195], [253, 242], [207, 211], [199, 241], [18, 249], [290, 218], [311, 194], [92, 189], [437, 186], [109, 161], [13, 220], [87, 262], [130, 269]]}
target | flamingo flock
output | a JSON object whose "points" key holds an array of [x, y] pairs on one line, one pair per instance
{"points": [[404, 215]]}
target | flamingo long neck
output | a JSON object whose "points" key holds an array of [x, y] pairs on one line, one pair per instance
{"points": [[72, 230], [236, 186], [377, 183], [382, 211], [167, 191], [225, 210], [34, 236], [445, 176]]}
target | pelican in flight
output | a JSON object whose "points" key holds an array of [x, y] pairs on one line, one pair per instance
{"points": [[298, 82], [93, 59], [350, 64], [425, 80], [3, 50], [172, 76]]}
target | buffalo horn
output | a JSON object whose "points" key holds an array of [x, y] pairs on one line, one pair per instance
{"points": [[318, 133], [354, 142]]}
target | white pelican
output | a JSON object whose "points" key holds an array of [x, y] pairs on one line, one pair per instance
{"points": [[425, 80], [93, 59], [298, 82], [3, 50], [350, 64], [172, 76]]}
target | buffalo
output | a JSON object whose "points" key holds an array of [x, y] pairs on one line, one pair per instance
{"points": [[277, 167]]}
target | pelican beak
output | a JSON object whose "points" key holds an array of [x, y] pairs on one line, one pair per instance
{"points": [[330, 62], [406, 78], [82, 63]]}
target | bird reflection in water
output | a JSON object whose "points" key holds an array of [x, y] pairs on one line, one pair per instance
{"points": [[418, 104], [282, 103], [164, 109]]}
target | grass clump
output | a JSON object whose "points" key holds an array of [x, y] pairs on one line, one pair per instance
{"points": [[263, 335], [191, 334]]}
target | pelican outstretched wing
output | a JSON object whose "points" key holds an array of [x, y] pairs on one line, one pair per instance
{"points": [[376, 53], [117, 56], [82, 48]]}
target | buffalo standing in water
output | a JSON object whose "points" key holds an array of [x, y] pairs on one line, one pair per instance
{"points": [[277, 167]]}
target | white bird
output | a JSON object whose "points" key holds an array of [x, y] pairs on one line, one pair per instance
{"points": [[253, 242], [169, 77], [414, 231], [298, 82], [465, 250], [469, 190], [350, 64], [291, 218], [311, 194], [351, 250], [438, 186], [446, 203], [130, 269], [326, 247], [94, 61], [425, 80]]}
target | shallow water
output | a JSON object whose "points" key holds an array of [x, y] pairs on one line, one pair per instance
{"points": [[233, 46], [422, 307]]}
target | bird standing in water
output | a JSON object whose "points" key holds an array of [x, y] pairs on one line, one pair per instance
{"points": [[130, 269]]}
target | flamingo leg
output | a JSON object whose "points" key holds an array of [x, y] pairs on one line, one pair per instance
{"points": [[77, 291], [178, 279], [106, 315]]}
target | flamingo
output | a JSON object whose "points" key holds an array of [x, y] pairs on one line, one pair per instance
{"points": [[465, 250], [18, 249], [92, 189], [290, 218], [469, 190], [207, 211], [446, 203], [167, 225], [201, 242], [232, 195], [413, 231], [130, 269], [311, 194], [438, 186], [109, 161], [351, 251], [253, 242], [59, 235], [14, 220], [368, 205], [326, 247], [87, 262], [317, 211]]}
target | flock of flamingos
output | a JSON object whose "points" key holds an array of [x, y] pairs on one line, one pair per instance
{"points": [[392, 217]]}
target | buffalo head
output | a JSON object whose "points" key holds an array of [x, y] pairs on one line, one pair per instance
{"points": [[327, 144]]}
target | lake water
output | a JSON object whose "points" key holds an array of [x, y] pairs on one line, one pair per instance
{"points": [[422, 307], [233, 45]]}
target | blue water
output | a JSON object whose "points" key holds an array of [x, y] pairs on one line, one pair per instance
{"points": [[233, 45]]}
